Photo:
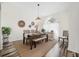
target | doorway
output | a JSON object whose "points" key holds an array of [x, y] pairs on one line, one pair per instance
{"points": [[50, 26]]}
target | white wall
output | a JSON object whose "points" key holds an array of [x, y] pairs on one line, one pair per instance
{"points": [[73, 26], [69, 20], [13, 12], [0, 29]]}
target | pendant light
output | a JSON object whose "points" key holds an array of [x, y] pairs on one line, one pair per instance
{"points": [[38, 18]]}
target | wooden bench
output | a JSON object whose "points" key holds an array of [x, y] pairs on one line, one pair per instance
{"points": [[39, 39]]}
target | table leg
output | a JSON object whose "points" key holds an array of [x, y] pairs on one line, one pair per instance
{"points": [[31, 45], [63, 41], [23, 40]]}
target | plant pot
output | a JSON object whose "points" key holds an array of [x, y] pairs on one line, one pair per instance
{"points": [[5, 39]]}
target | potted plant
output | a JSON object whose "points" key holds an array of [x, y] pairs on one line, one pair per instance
{"points": [[6, 32]]}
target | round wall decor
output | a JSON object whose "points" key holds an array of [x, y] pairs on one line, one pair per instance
{"points": [[32, 23], [21, 23]]}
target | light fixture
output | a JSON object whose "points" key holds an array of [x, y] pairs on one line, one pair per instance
{"points": [[38, 18], [51, 20]]}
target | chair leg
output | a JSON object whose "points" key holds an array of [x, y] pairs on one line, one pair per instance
{"points": [[76, 54], [26, 41], [59, 39], [42, 40], [34, 44], [66, 52], [23, 40]]}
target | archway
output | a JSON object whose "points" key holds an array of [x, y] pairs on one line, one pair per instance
{"points": [[52, 25]]}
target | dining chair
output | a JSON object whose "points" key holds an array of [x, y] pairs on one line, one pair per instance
{"points": [[65, 41], [25, 35], [65, 36]]}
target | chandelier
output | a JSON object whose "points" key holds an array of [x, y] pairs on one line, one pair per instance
{"points": [[38, 18]]}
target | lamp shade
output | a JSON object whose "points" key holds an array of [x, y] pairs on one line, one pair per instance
{"points": [[51, 20], [38, 18]]}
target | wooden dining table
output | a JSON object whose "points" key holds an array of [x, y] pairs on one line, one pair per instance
{"points": [[34, 36]]}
